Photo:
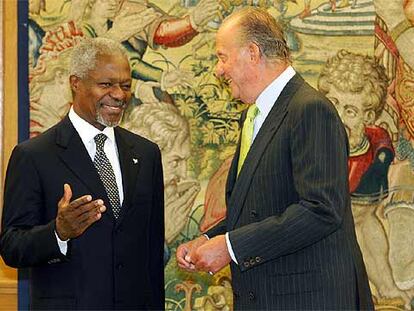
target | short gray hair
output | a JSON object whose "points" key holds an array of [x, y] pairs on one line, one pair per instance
{"points": [[258, 26], [84, 54]]}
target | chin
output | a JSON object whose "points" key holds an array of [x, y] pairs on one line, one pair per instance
{"points": [[109, 121]]}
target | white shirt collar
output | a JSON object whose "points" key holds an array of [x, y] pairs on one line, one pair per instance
{"points": [[270, 94], [87, 131]]}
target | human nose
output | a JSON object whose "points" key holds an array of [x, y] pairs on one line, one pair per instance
{"points": [[219, 70], [118, 92]]}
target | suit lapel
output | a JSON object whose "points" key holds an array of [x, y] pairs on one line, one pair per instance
{"points": [[261, 142], [76, 158], [130, 163]]}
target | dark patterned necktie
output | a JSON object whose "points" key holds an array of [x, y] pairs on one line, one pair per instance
{"points": [[106, 173]]}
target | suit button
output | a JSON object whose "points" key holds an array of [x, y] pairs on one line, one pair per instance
{"points": [[258, 259], [253, 213], [246, 264], [252, 262], [252, 297], [119, 266]]}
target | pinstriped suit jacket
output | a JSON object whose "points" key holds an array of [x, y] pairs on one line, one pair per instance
{"points": [[289, 215]]}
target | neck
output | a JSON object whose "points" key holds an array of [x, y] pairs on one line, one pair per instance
{"points": [[266, 75]]}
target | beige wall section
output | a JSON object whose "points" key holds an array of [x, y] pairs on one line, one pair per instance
{"points": [[8, 132]]}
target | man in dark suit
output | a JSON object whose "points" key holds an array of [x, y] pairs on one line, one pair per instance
{"points": [[100, 244], [289, 234]]}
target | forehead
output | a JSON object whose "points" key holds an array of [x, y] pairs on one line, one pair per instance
{"points": [[227, 37], [111, 66]]}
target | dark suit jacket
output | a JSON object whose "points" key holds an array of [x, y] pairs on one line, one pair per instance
{"points": [[114, 264], [289, 215]]}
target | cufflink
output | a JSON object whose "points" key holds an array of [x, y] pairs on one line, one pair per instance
{"points": [[211, 273], [134, 160]]}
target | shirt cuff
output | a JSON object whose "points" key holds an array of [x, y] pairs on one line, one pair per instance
{"points": [[230, 249], [63, 245]]}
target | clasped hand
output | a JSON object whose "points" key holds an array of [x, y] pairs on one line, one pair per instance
{"points": [[202, 254]]}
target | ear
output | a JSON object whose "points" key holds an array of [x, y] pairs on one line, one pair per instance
{"points": [[254, 52], [369, 117], [74, 83]]}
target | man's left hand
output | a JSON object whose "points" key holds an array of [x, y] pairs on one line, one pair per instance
{"points": [[212, 256]]}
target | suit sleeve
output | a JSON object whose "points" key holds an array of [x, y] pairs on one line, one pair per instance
{"points": [[157, 237], [218, 229], [27, 239], [318, 147]]}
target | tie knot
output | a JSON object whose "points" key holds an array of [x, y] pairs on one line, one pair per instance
{"points": [[252, 112], [100, 141]]}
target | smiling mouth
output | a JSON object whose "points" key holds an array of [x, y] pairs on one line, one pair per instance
{"points": [[115, 106]]}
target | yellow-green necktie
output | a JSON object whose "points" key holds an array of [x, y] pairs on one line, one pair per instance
{"points": [[247, 134]]}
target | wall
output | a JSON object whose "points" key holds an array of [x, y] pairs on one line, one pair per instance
{"points": [[8, 108]]}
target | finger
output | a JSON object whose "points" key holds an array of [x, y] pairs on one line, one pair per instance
{"points": [[94, 205], [189, 268], [81, 201], [87, 219], [183, 263], [181, 257], [67, 193]]}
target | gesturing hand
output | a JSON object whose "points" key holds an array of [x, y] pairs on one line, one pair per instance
{"points": [[74, 217]]}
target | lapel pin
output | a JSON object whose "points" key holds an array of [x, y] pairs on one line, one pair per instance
{"points": [[135, 160]]}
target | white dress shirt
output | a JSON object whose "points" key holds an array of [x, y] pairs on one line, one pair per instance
{"points": [[87, 133], [265, 103]]}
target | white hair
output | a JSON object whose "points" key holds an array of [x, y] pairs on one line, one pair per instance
{"points": [[84, 54]]}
